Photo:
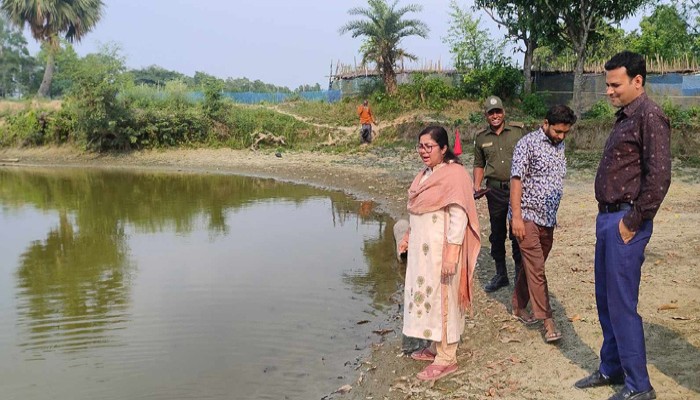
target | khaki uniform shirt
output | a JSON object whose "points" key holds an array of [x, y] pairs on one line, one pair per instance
{"points": [[494, 153]]}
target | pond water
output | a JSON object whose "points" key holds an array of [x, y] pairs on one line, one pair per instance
{"points": [[126, 285]]}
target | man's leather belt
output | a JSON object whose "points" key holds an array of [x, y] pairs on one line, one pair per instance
{"points": [[498, 184], [614, 207]]}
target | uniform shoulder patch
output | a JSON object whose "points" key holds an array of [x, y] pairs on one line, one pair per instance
{"points": [[517, 124]]}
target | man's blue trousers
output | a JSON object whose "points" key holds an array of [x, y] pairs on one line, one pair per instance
{"points": [[618, 268]]}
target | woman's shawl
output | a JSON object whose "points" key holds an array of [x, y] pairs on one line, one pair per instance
{"points": [[451, 184]]}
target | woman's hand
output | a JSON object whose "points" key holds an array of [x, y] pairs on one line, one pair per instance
{"points": [[449, 268], [403, 243], [403, 246], [450, 259]]}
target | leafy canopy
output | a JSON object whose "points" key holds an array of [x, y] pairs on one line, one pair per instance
{"points": [[15, 62], [48, 18], [664, 33], [471, 47]]}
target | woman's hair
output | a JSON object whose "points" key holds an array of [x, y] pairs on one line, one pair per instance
{"points": [[439, 135]]}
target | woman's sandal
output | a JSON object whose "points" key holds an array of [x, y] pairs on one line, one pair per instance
{"points": [[434, 372], [524, 318], [423, 355]]}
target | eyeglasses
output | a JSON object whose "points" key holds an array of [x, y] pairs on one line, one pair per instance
{"points": [[425, 147]]}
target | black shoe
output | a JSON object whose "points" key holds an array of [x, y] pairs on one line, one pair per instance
{"points": [[598, 379], [497, 282], [627, 394]]}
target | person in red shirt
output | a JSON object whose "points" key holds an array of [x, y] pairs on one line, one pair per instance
{"points": [[366, 120]]}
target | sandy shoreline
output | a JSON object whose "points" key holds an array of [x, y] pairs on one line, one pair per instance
{"points": [[499, 358]]}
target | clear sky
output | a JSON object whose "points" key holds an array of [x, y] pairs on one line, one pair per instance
{"points": [[284, 42]]}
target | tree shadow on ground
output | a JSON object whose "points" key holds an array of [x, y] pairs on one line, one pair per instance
{"points": [[660, 340]]}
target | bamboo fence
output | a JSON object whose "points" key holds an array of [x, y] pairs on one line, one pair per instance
{"points": [[348, 71], [655, 65]]}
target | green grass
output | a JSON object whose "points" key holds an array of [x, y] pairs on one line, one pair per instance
{"points": [[343, 113], [692, 161], [582, 160]]}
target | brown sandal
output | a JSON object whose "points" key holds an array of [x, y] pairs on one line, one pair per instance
{"points": [[524, 317], [551, 334]]}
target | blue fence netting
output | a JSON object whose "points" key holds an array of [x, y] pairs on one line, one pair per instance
{"points": [[329, 96]]}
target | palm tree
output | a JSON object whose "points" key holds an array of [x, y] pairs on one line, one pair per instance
{"points": [[383, 29], [47, 19]]}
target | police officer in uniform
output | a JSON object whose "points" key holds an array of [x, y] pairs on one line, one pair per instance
{"points": [[493, 153]]}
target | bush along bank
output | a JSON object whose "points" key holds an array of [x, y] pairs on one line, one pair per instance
{"points": [[118, 124]]}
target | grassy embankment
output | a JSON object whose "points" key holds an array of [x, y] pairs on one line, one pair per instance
{"points": [[159, 122], [584, 145]]}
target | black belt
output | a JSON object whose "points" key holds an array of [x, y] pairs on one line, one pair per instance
{"points": [[615, 207], [498, 184]]}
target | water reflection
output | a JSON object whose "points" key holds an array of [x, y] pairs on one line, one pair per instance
{"points": [[380, 278], [72, 285], [122, 278]]}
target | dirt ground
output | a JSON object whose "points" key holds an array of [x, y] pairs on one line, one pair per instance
{"points": [[498, 357]]}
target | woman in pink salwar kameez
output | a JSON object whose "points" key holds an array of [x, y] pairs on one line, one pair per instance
{"points": [[443, 244]]}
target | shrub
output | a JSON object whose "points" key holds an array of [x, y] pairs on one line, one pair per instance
{"points": [[679, 117], [501, 80], [176, 94], [142, 96], [369, 87], [213, 105], [385, 105], [27, 128], [158, 127], [61, 125], [534, 105], [103, 121], [476, 118], [431, 91], [600, 110]]}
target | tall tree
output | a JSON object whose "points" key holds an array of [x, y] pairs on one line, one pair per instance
{"points": [[606, 41], [65, 63], [154, 75], [690, 10], [471, 46], [383, 27], [577, 20], [47, 19], [15, 60], [664, 33], [524, 22]]}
